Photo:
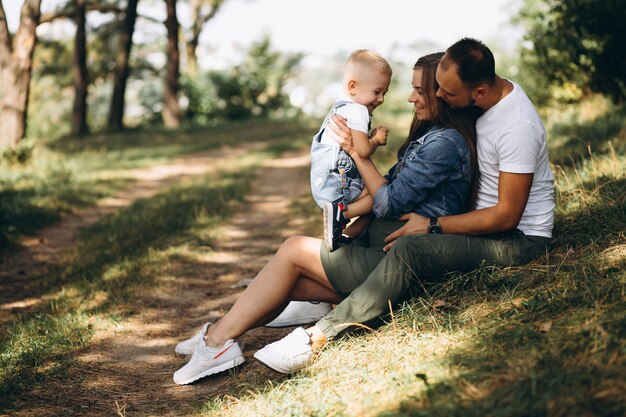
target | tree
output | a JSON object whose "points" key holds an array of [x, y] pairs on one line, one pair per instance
{"points": [[578, 43], [171, 111], [16, 56], [201, 12], [255, 87], [77, 10], [122, 67], [79, 109]]}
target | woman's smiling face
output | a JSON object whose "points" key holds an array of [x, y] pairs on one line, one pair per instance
{"points": [[418, 97]]}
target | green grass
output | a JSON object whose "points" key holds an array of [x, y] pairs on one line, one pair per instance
{"points": [[113, 258], [39, 181], [118, 257], [545, 339]]}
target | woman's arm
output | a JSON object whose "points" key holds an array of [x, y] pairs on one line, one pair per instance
{"points": [[435, 162], [432, 163]]}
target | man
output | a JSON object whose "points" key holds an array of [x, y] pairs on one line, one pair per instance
{"points": [[516, 183], [514, 214]]}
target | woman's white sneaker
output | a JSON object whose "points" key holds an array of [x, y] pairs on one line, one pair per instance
{"points": [[188, 346], [207, 361], [301, 312], [288, 355]]}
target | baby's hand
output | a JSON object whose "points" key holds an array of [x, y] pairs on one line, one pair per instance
{"points": [[379, 135]]}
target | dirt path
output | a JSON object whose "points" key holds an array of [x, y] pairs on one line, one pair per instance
{"points": [[128, 369], [20, 273]]}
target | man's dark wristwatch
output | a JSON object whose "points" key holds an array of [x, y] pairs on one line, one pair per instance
{"points": [[434, 227]]}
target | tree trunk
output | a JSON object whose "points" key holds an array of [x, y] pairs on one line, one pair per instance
{"points": [[171, 111], [192, 60], [116, 112], [16, 59], [199, 17], [191, 43], [79, 111]]}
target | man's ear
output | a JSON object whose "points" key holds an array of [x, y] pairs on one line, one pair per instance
{"points": [[479, 92], [352, 87]]}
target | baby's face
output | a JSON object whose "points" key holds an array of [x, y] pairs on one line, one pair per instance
{"points": [[370, 89]]}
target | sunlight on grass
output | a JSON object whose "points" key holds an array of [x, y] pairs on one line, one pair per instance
{"points": [[114, 261], [39, 347], [40, 181]]}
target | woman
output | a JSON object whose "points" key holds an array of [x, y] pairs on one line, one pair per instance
{"points": [[435, 176]]}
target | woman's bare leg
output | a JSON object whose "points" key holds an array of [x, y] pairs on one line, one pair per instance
{"points": [[305, 290], [298, 257]]}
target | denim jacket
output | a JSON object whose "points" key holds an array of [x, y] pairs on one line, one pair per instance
{"points": [[431, 179]]}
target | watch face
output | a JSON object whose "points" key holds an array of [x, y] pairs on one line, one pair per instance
{"points": [[434, 229]]}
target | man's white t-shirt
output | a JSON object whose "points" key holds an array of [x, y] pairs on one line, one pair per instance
{"points": [[512, 138], [356, 115]]}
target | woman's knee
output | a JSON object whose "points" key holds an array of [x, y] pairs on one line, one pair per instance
{"points": [[292, 245], [300, 250]]}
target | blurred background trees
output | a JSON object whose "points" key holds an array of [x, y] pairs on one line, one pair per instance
{"points": [[96, 66], [117, 65], [574, 48], [122, 65], [255, 87]]}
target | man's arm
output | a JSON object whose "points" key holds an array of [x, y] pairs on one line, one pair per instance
{"points": [[513, 192]]}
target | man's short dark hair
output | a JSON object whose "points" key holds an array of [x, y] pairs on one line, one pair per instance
{"points": [[475, 62]]}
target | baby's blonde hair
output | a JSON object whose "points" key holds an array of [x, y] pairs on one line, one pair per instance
{"points": [[366, 60]]}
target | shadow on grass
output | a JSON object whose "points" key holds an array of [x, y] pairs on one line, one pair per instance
{"points": [[159, 143], [112, 258], [37, 349], [31, 199], [20, 216], [556, 348], [25, 210], [586, 224], [514, 368]]}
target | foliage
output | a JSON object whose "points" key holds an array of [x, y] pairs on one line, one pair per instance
{"points": [[201, 99], [53, 58], [51, 93], [39, 188], [597, 128], [102, 48], [253, 88], [577, 46], [18, 155]]}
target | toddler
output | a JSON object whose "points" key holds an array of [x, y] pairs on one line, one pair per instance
{"points": [[335, 181]]}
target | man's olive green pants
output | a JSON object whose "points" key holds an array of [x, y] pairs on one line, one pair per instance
{"points": [[369, 279]]}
